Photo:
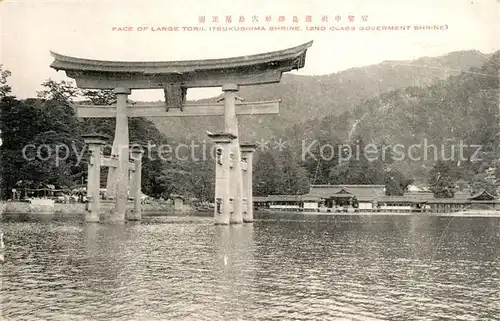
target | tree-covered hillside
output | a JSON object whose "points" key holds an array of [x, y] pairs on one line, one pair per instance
{"points": [[308, 98]]}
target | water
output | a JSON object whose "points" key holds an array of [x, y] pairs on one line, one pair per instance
{"points": [[280, 268]]}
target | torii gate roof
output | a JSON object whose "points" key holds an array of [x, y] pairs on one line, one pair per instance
{"points": [[244, 70]]}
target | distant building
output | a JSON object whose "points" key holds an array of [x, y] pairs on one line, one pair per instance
{"points": [[414, 189], [311, 203], [344, 195], [288, 202], [260, 202], [284, 202], [331, 198]]}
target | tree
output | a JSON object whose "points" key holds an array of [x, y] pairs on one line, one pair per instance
{"points": [[5, 89], [358, 167], [56, 163], [99, 97], [266, 175], [62, 91], [396, 183], [442, 179], [41, 139], [20, 121], [294, 179], [481, 184]]}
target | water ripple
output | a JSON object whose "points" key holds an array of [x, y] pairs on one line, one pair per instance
{"points": [[405, 268]]}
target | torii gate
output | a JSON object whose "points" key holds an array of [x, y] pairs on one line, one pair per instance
{"points": [[175, 77]]}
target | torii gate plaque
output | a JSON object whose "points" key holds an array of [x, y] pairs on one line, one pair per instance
{"points": [[175, 78]]}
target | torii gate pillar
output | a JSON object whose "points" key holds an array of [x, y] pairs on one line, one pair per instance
{"points": [[235, 174], [247, 161], [224, 202], [135, 183], [95, 142], [118, 178]]}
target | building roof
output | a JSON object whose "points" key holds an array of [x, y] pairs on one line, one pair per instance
{"points": [[310, 198], [482, 196], [362, 192], [420, 196], [429, 196], [396, 199], [284, 198], [287, 198], [447, 201], [461, 195], [370, 193], [243, 70]]}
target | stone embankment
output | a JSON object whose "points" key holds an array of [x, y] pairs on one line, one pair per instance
{"points": [[80, 208]]}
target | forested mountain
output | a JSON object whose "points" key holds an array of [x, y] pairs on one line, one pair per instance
{"points": [[463, 109], [314, 97], [444, 102], [437, 101]]}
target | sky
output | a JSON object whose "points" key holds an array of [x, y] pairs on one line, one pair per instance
{"points": [[29, 30]]}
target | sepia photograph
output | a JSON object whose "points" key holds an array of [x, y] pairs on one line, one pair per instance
{"points": [[249, 160]]}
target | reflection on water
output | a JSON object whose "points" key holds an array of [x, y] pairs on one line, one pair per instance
{"points": [[282, 267]]}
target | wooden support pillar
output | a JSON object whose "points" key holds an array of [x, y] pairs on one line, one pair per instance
{"points": [[247, 158], [131, 177], [135, 186], [231, 127], [117, 185], [95, 143], [223, 207], [129, 215]]}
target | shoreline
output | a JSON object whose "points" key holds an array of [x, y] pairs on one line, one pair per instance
{"points": [[161, 209], [260, 214], [16, 207], [477, 213], [151, 210]]}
